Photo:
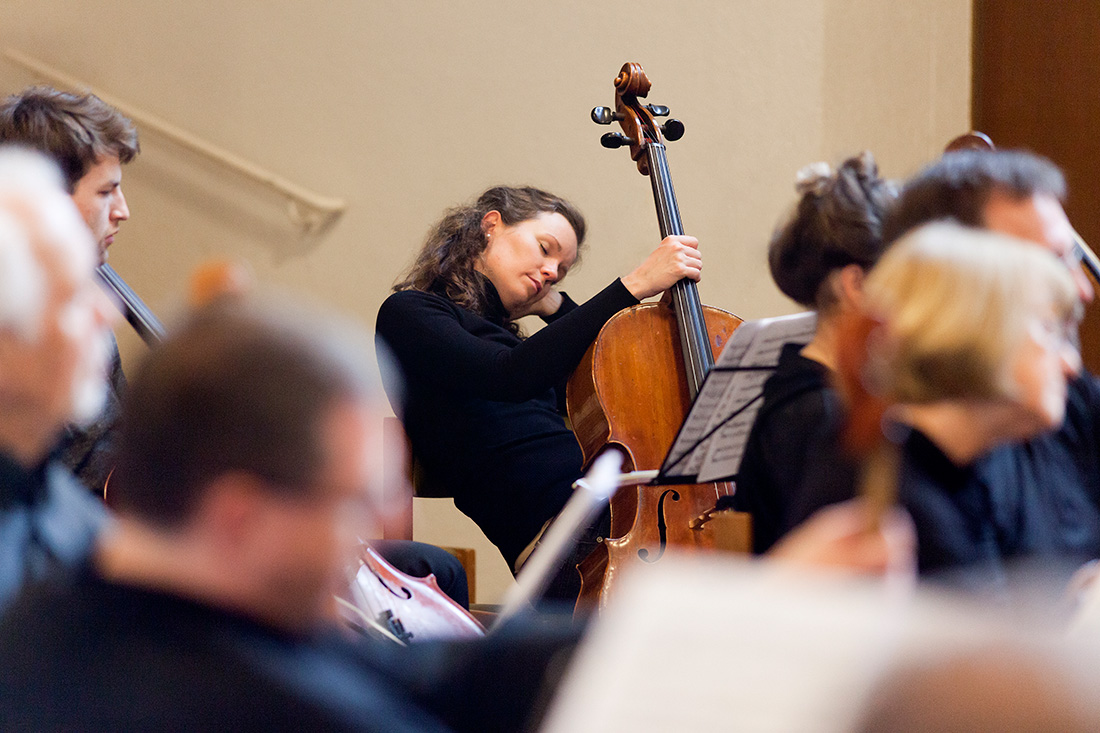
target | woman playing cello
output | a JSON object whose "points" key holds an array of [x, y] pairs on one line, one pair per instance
{"points": [[482, 404]]}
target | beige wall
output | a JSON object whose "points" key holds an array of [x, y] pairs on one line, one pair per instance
{"points": [[405, 108]]}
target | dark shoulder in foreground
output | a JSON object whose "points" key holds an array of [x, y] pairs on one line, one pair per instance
{"points": [[48, 522], [93, 655]]}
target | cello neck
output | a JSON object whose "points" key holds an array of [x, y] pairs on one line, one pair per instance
{"points": [[694, 340]]}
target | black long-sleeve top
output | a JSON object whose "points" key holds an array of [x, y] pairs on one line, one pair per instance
{"points": [[1037, 502], [481, 405], [792, 465]]}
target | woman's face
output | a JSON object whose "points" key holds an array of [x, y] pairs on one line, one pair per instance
{"points": [[1039, 370], [523, 260]]}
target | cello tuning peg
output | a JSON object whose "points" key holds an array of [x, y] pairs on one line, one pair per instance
{"points": [[657, 110], [615, 140], [604, 115], [673, 129]]}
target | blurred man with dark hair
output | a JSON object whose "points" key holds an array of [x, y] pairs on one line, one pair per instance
{"points": [[248, 462], [1009, 191]]}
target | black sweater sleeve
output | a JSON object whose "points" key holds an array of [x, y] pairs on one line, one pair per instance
{"points": [[426, 334]]}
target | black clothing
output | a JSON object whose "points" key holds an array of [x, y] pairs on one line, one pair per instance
{"points": [[88, 654], [1037, 501], [1047, 490], [47, 521], [952, 512], [86, 449], [979, 525], [794, 436], [1035, 504], [481, 405], [96, 655]]}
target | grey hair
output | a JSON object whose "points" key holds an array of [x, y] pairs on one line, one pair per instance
{"points": [[35, 212]]}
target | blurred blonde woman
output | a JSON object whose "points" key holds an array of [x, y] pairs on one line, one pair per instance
{"points": [[975, 349]]}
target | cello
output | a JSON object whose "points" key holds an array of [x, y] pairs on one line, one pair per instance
{"points": [[634, 385]]}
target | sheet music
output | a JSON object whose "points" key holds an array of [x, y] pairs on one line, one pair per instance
{"points": [[723, 645], [725, 391]]}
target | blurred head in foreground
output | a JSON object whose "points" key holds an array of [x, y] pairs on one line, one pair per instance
{"points": [[1005, 688], [250, 443], [975, 319]]}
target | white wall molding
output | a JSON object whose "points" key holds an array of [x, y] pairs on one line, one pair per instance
{"points": [[308, 210]]}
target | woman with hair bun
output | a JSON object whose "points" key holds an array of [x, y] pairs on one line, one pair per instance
{"points": [[818, 257]]}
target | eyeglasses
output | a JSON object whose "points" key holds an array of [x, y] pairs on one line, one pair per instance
{"points": [[1057, 335]]}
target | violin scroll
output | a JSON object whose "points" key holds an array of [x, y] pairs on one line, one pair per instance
{"points": [[972, 140]]}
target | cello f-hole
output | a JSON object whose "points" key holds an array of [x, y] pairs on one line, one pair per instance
{"points": [[405, 593], [662, 527]]}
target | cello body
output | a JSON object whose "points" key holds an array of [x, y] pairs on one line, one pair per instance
{"points": [[630, 392], [635, 385]]}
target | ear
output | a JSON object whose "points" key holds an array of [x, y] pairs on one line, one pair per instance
{"points": [[491, 222], [231, 509], [849, 285]]}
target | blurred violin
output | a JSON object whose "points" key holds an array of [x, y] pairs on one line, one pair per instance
{"points": [[401, 608]]}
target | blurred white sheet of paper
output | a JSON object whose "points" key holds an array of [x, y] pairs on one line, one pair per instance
{"points": [[720, 644]]}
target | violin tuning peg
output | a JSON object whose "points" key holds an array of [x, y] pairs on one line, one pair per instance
{"points": [[657, 110], [615, 140], [604, 116], [673, 129]]}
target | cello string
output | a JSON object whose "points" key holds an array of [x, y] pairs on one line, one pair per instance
{"points": [[694, 340]]}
